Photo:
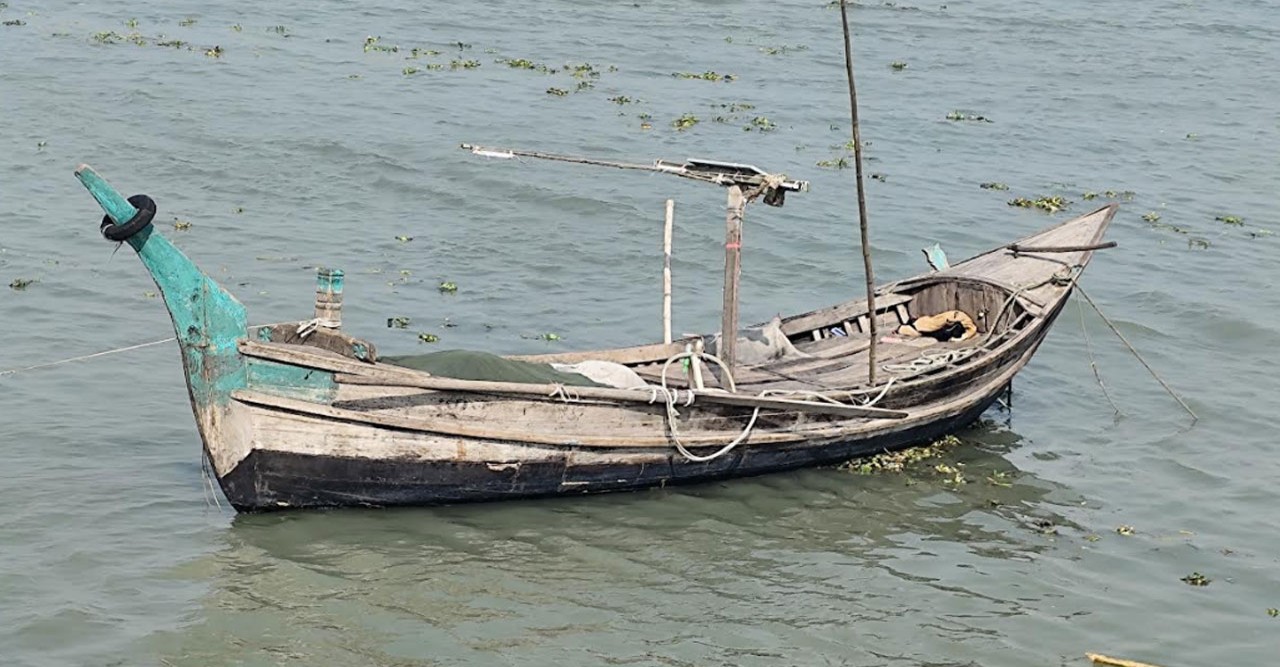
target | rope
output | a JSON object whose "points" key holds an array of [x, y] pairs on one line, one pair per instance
{"points": [[14, 371], [1138, 356], [1093, 363], [309, 327], [671, 398], [95, 355]]}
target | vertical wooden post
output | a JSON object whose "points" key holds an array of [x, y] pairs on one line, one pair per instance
{"points": [[666, 271], [329, 297], [862, 196], [732, 275]]}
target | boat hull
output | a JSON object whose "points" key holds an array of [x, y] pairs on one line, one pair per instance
{"points": [[276, 480]]}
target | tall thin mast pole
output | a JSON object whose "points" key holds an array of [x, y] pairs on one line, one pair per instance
{"points": [[862, 196]]}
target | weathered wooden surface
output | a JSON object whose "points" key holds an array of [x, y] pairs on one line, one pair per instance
{"points": [[732, 276], [316, 424], [667, 229]]}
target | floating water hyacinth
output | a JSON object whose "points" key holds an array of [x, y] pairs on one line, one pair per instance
{"points": [[1196, 579], [1050, 204], [684, 122]]}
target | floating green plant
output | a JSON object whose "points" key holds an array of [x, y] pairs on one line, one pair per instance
{"points": [[584, 71], [620, 100], [237, 27], [41, 144], [399, 322], [523, 63], [583, 85], [1230, 220], [187, 22], [448, 287], [1126, 195], [834, 163], [417, 52], [762, 124], [372, 43], [1151, 216], [181, 225], [879, 177], [1196, 579], [424, 337], [993, 186], [1050, 204], [549, 336], [279, 30], [558, 92], [172, 43], [1273, 612], [215, 52], [410, 71], [781, 50], [238, 210], [961, 116], [20, 284], [14, 23], [464, 64], [404, 239], [900, 460], [131, 24], [1124, 530], [898, 65], [1197, 244], [684, 122], [705, 76], [107, 37]]}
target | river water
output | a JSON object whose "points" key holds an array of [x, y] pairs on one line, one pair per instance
{"points": [[297, 142]]}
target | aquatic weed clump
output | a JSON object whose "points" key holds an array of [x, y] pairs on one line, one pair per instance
{"points": [[901, 460]]}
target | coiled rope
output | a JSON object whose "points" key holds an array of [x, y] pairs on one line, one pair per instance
{"points": [[671, 398]]}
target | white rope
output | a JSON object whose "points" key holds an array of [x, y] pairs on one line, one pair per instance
{"points": [[671, 397], [308, 327], [13, 371], [95, 355]]}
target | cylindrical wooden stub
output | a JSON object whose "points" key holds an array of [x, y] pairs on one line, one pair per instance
{"points": [[329, 297]]}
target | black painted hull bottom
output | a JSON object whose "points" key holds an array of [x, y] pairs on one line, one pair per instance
{"points": [[268, 480]]}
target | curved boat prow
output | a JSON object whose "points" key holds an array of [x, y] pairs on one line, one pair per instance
{"points": [[206, 318]]}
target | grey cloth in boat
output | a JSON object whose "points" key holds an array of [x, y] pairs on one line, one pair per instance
{"points": [[607, 373], [762, 344]]}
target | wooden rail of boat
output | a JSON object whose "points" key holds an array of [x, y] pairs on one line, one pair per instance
{"points": [[353, 372]]}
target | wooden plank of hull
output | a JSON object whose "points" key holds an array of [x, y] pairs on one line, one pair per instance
{"points": [[272, 479], [380, 468]]}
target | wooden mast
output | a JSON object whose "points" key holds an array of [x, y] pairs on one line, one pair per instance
{"points": [[728, 349], [862, 197]]}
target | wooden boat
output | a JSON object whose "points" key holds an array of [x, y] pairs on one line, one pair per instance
{"points": [[312, 418]]}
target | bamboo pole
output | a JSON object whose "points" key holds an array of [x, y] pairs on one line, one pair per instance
{"points": [[1099, 659], [732, 276], [666, 271], [862, 197]]}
